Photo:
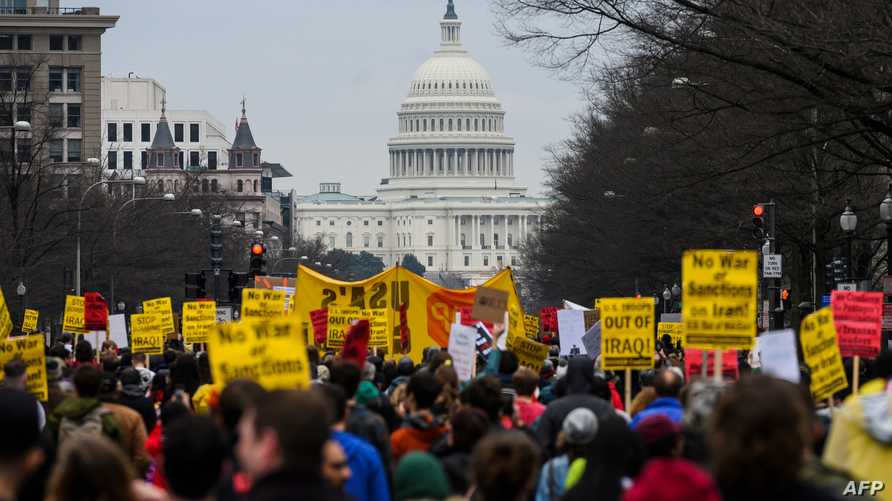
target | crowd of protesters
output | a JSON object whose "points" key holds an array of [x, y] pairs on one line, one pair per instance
{"points": [[118, 426]]}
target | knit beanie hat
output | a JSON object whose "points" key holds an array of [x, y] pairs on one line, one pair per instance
{"points": [[366, 392], [420, 476], [580, 426]]}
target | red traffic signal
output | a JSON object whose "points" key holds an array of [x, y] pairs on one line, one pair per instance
{"points": [[785, 294], [758, 221], [258, 249], [758, 210]]}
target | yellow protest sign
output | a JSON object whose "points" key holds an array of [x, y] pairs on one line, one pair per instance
{"points": [[30, 350], [379, 327], [430, 309], [719, 298], [73, 320], [262, 303], [147, 333], [531, 326], [5, 318], [821, 353], [162, 306], [199, 317], [339, 320], [529, 353], [271, 352], [675, 330], [627, 333], [29, 324]]}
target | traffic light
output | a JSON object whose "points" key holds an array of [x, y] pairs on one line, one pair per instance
{"points": [[786, 299], [758, 221], [237, 282], [196, 286], [216, 244], [829, 280], [258, 259]]}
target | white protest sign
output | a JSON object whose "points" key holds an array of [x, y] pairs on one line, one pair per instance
{"points": [[777, 354], [773, 266], [463, 350], [117, 330], [571, 328]]}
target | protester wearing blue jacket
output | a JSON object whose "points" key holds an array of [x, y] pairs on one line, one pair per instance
{"points": [[667, 385]]}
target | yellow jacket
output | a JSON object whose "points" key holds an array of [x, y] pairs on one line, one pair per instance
{"points": [[860, 440]]}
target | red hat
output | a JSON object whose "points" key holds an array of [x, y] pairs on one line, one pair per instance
{"points": [[657, 427], [672, 479]]}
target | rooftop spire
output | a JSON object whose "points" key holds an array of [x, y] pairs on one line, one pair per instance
{"points": [[244, 114], [164, 107], [244, 140], [450, 11]]}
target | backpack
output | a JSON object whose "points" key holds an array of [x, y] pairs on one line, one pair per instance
{"points": [[93, 423]]}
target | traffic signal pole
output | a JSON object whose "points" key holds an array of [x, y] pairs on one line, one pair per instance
{"points": [[216, 251], [776, 318]]}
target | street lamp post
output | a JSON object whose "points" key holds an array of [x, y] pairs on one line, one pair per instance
{"points": [[886, 216], [20, 291], [676, 296], [667, 296], [849, 222], [80, 209], [168, 197]]}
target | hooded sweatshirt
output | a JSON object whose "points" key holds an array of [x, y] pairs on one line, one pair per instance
{"points": [[418, 433], [579, 378], [860, 440], [76, 409]]}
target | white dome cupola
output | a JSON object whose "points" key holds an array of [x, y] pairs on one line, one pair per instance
{"points": [[451, 136]]}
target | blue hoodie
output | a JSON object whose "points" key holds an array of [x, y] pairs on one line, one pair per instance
{"points": [[368, 480], [667, 406]]}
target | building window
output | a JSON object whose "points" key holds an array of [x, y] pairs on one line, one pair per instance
{"points": [[5, 78], [349, 223], [238, 159], [510, 240], [24, 42], [513, 260], [450, 125], [57, 79], [257, 159], [193, 133], [57, 42], [240, 186], [482, 239], [74, 79], [74, 150], [365, 223], [255, 186], [463, 240], [145, 133], [56, 150], [380, 241], [23, 78], [128, 133], [467, 261], [5, 42], [430, 222], [441, 125], [128, 160], [214, 187], [380, 223], [178, 133], [143, 159], [181, 158], [205, 186], [485, 260], [74, 116], [468, 124], [194, 159], [366, 241], [112, 132], [318, 222], [331, 242], [212, 160], [56, 114], [331, 222], [112, 160], [349, 239], [430, 240], [23, 112], [74, 42], [495, 240], [430, 261]]}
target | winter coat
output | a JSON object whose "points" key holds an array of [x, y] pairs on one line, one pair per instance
{"points": [[368, 479], [666, 406], [418, 433]]}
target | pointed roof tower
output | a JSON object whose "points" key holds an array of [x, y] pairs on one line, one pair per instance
{"points": [[163, 153], [450, 11], [244, 154]]}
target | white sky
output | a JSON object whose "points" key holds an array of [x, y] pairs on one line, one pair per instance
{"points": [[325, 78]]}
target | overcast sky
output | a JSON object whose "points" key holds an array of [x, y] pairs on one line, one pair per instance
{"points": [[325, 78]]}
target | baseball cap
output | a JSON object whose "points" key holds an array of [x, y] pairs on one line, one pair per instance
{"points": [[580, 426]]}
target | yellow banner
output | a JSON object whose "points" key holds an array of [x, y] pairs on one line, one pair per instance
{"points": [[162, 306], [719, 298], [258, 304], [531, 326], [199, 317], [29, 324], [627, 333], [30, 350], [74, 315], [675, 330], [821, 353], [147, 333], [5, 318], [529, 353], [271, 352], [430, 309]]}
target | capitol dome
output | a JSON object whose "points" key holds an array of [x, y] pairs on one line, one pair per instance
{"points": [[451, 128]]}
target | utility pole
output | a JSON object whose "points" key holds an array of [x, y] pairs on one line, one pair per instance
{"points": [[216, 251]]}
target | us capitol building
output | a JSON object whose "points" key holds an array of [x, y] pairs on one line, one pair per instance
{"points": [[450, 197]]}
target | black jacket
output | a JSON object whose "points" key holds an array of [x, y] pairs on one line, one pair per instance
{"points": [[143, 406], [579, 378], [287, 486]]}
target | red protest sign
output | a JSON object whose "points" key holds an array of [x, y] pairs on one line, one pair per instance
{"points": [[95, 312], [548, 315], [693, 363], [858, 317], [356, 343], [320, 325], [467, 318]]}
